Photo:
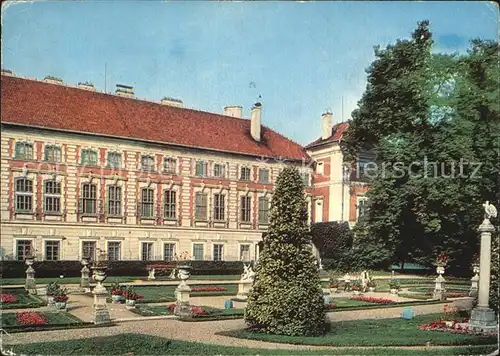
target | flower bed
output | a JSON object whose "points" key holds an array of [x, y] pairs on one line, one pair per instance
{"points": [[372, 300], [454, 326], [30, 318], [7, 298], [331, 305], [208, 289]]}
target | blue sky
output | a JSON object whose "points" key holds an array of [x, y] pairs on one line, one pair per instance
{"points": [[302, 57]]}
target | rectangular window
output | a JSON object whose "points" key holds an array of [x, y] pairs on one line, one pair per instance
{"points": [[24, 195], [263, 176], [52, 250], [53, 154], [219, 170], [147, 203], [219, 207], [305, 178], [89, 249], [201, 169], [244, 252], [23, 249], [114, 250], [114, 200], [24, 150], [147, 251], [89, 199], [114, 160], [89, 157], [198, 253], [168, 251], [246, 209], [361, 208], [52, 197], [218, 252], [200, 206], [147, 163], [170, 204], [245, 173], [263, 210], [170, 165]]}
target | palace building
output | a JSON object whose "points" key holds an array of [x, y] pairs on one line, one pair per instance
{"points": [[84, 171]]}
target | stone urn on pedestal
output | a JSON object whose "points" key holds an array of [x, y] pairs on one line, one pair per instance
{"points": [[474, 287], [182, 292], [85, 278], [30, 284], [439, 289], [101, 313]]}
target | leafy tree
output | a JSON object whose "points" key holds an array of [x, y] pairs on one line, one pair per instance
{"points": [[331, 238], [287, 297]]}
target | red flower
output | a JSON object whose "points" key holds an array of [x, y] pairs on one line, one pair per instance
{"points": [[117, 292], [30, 318], [61, 298], [208, 289], [198, 311], [171, 308], [331, 305], [7, 298], [372, 299]]}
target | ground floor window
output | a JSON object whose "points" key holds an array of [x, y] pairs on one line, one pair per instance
{"points": [[244, 252], [147, 251], [23, 248], [52, 250], [88, 250], [168, 251], [114, 250], [218, 252], [198, 253]]}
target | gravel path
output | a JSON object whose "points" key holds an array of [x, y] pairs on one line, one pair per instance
{"points": [[205, 331]]}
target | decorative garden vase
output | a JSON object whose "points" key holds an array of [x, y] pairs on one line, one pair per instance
{"points": [[184, 273], [60, 305], [371, 289], [356, 292], [130, 303], [50, 300], [394, 291], [117, 299]]}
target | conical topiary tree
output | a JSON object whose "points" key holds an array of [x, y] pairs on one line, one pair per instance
{"points": [[287, 297]]}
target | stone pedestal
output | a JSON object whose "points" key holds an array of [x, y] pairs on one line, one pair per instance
{"points": [[482, 317], [151, 274], [439, 289], [101, 313], [30, 284], [85, 278], [244, 287], [474, 283], [182, 293]]}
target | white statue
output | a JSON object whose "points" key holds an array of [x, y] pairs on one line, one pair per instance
{"points": [[248, 273], [489, 211]]}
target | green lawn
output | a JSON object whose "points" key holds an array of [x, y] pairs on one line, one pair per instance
{"points": [[24, 300], [382, 332], [151, 310], [153, 294], [450, 289], [53, 319], [136, 344]]}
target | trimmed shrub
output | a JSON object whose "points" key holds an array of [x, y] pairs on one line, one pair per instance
{"points": [[287, 298]]}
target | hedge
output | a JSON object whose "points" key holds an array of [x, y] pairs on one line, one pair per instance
{"points": [[51, 269]]}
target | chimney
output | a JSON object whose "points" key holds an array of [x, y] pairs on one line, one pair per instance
{"points": [[124, 90], [172, 102], [233, 111], [255, 121], [86, 86], [53, 80], [326, 125]]}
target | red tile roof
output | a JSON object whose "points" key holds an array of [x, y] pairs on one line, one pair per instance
{"points": [[39, 104], [338, 131]]}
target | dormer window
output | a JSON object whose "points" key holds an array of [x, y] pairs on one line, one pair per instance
{"points": [[24, 150], [169, 165], [219, 170], [245, 173], [89, 157], [147, 163], [53, 154]]}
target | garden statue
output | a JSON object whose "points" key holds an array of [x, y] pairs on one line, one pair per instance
{"points": [[489, 211], [248, 273], [365, 278], [246, 282]]}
